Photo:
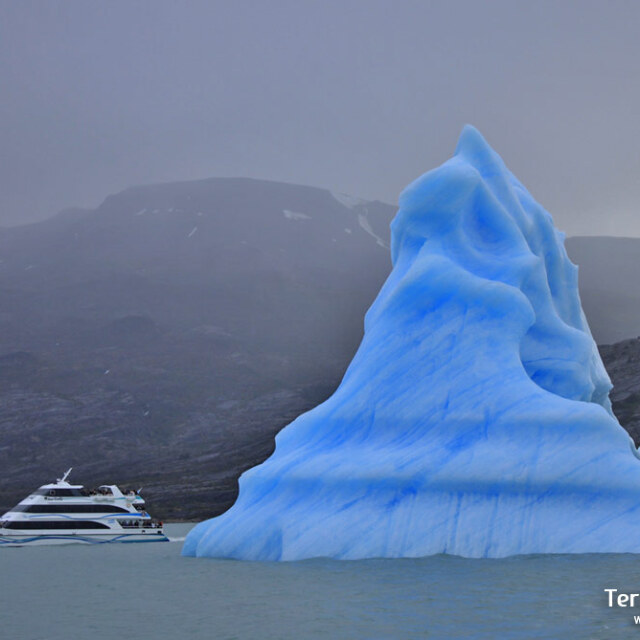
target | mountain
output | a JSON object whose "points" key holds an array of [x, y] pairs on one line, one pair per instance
{"points": [[165, 337]]}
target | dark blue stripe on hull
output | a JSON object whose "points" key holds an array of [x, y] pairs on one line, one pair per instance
{"points": [[120, 539]]}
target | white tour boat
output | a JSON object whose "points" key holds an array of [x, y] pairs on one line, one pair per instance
{"points": [[60, 513]]}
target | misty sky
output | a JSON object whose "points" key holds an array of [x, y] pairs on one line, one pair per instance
{"points": [[359, 96]]}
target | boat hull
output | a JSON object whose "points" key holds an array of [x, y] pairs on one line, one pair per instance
{"points": [[34, 539]]}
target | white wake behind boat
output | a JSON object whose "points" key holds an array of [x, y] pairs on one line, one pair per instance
{"points": [[61, 513]]}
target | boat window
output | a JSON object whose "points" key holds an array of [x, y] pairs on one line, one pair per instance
{"points": [[131, 524], [69, 508], [54, 524], [60, 493]]}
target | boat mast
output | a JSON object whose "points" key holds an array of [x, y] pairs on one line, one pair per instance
{"points": [[66, 475]]}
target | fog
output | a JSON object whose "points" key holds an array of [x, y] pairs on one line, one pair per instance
{"points": [[359, 96]]}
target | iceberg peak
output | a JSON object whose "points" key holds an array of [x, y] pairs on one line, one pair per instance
{"points": [[472, 143]]}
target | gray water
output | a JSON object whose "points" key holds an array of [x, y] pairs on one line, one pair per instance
{"points": [[144, 591]]}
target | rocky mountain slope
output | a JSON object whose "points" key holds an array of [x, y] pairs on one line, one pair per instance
{"points": [[164, 338], [623, 364]]}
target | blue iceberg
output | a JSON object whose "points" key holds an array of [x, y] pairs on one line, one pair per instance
{"points": [[474, 418]]}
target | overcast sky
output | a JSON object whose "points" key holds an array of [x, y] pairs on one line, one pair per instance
{"points": [[359, 96]]}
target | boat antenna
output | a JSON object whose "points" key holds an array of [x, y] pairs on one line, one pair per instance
{"points": [[66, 475]]}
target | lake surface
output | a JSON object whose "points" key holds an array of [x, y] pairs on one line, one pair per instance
{"points": [[143, 591]]}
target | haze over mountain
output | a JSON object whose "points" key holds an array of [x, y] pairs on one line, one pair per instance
{"points": [[174, 323], [609, 285], [166, 336]]}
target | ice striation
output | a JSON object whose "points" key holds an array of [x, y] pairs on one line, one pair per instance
{"points": [[474, 418]]}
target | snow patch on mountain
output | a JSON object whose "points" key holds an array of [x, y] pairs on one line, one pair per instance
{"points": [[295, 215]]}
